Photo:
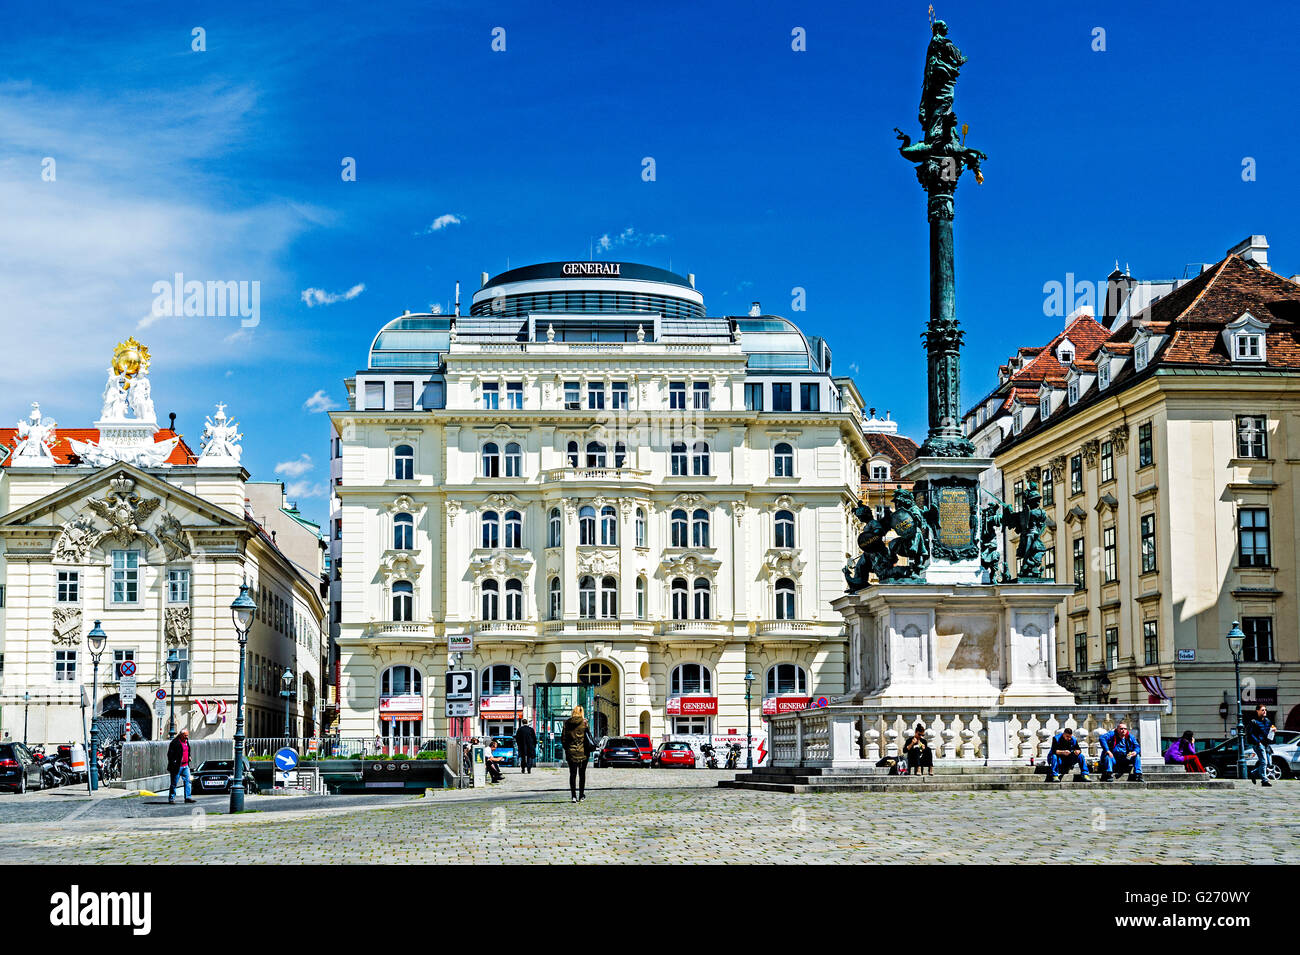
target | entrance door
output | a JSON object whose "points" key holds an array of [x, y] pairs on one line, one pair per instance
{"points": [[401, 736]]}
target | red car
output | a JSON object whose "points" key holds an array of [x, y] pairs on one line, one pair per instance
{"points": [[674, 754], [647, 748]]}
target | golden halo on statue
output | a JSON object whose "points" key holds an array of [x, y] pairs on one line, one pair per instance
{"points": [[130, 359]]}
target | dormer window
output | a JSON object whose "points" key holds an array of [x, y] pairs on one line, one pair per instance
{"points": [[1249, 347], [1045, 406], [1017, 422], [1073, 392], [1067, 356], [1140, 354], [1245, 339], [1103, 373]]}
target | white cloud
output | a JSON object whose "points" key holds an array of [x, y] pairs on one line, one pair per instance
{"points": [[296, 468], [312, 297], [442, 222], [299, 490], [629, 237], [319, 403]]}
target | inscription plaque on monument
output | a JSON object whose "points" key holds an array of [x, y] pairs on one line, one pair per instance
{"points": [[954, 505]]}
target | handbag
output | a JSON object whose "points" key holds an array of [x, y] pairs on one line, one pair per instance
{"points": [[590, 742]]}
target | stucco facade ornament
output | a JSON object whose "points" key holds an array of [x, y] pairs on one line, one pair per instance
{"points": [[597, 562], [782, 562], [787, 503], [689, 501], [177, 626], [503, 502], [512, 564], [399, 565], [403, 504], [172, 536], [35, 440], [67, 626], [1119, 437], [738, 509], [1090, 450], [691, 565], [125, 511], [1057, 466], [453, 510], [570, 507], [221, 439], [75, 540]]}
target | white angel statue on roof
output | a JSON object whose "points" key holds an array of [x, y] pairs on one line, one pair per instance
{"points": [[221, 439], [35, 439]]}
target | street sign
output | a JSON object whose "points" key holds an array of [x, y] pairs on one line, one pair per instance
{"points": [[160, 694], [286, 759], [159, 710], [128, 668], [459, 710], [460, 685], [460, 643], [126, 688]]}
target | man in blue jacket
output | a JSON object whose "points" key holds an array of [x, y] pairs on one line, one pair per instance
{"points": [[1121, 754], [1258, 728], [1066, 752]]}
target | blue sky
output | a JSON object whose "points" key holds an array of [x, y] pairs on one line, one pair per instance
{"points": [[775, 169]]}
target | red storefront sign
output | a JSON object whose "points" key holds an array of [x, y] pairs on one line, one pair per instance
{"points": [[403, 703], [400, 717], [692, 706], [777, 705]]}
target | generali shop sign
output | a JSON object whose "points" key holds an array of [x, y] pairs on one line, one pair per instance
{"points": [[401, 706], [692, 706], [780, 705]]}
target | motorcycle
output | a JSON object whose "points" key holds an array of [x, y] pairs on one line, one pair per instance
{"points": [[710, 757], [733, 756], [54, 772]]}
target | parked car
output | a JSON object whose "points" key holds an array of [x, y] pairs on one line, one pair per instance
{"points": [[1221, 760], [215, 776], [674, 754], [503, 747], [20, 770], [647, 748], [619, 751]]}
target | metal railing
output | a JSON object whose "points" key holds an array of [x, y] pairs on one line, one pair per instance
{"points": [[334, 747]]}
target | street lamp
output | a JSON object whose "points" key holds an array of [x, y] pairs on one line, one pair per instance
{"points": [[173, 667], [1235, 640], [27, 698], [96, 640], [1103, 686], [241, 610], [286, 679], [749, 720]]}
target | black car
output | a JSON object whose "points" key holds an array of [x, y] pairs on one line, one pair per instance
{"points": [[215, 776], [19, 770], [1221, 760], [619, 751]]}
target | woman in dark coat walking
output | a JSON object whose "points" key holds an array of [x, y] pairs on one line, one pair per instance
{"points": [[577, 749]]}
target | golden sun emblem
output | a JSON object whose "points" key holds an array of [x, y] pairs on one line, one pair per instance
{"points": [[130, 358]]}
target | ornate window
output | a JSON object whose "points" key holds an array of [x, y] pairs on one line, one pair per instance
{"points": [[785, 599], [491, 529], [514, 599], [787, 678], [620, 454], [678, 528], [554, 607], [514, 460], [554, 528], [700, 392], [403, 532], [126, 577], [587, 525], [640, 527], [595, 454], [571, 453], [403, 600], [491, 600], [491, 460], [499, 679], [608, 598], [691, 679], [400, 680], [677, 459], [640, 598], [784, 529], [587, 598], [403, 462], [783, 460], [595, 673], [700, 459], [700, 528], [514, 529], [681, 599], [608, 526], [703, 595]]}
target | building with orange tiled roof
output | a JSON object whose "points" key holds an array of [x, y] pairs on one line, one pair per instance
{"points": [[1167, 458]]}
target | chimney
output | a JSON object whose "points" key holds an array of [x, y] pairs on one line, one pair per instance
{"points": [[171, 417], [755, 309], [1253, 249]]}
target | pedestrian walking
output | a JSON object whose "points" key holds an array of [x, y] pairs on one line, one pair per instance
{"points": [[1183, 750], [1259, 737], [178, 765], [526, 747], [578, 746]]}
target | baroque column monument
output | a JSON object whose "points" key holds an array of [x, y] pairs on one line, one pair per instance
{"points": [[938, 627]]}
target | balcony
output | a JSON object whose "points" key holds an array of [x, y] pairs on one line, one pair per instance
{"points": [[616, 475], [599, 626], [789, 633], [696, 634], [505, 632], [396, 632]]}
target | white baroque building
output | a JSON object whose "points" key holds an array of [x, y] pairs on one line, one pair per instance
{"points": [[596, 483]]}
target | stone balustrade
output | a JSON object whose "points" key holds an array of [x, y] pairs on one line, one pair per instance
{"points": [[859, 736]]}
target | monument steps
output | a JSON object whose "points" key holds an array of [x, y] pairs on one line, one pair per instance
{"points": [[978, 778]]}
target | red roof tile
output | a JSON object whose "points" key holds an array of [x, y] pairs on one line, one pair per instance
{"points": [[898, 449]]}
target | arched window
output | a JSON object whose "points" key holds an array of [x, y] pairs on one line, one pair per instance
{"points": [[403, 532], [587, 525], [554, 528], [679, 528], [595, 673], [681, 600], [784, 460], [700, 458], [700, 528], [587, 598], [640, 598], [491, 600], [785, 599], [403, 600], [491, 460], [702, 595], [514, 460], [640, 527], [500, 679], [620, 454], [691, 679], [595, 454], [571, 453], [784, 529], [403, 462], [400, 680], [554, 608], [514, 529], [608, 526], [514, 600], [677, 459], [608, 598], [787, 678], [491, 529]]}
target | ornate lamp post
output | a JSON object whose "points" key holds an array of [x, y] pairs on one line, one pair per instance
{"points": [[27, 698], [749, 719], [96, 640], [1103, 686], [241, 610], [286, 680], [1235, 640], [173, 667]]}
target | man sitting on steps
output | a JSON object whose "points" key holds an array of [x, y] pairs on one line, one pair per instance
{"points": [[1066, 752], [1120, 754]]}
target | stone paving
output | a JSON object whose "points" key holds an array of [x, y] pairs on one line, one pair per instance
{"points": [[671, 816]]}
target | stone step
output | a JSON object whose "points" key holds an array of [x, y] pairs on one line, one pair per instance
{"points": [[974, 769], [956, 784], [841, 782]]}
